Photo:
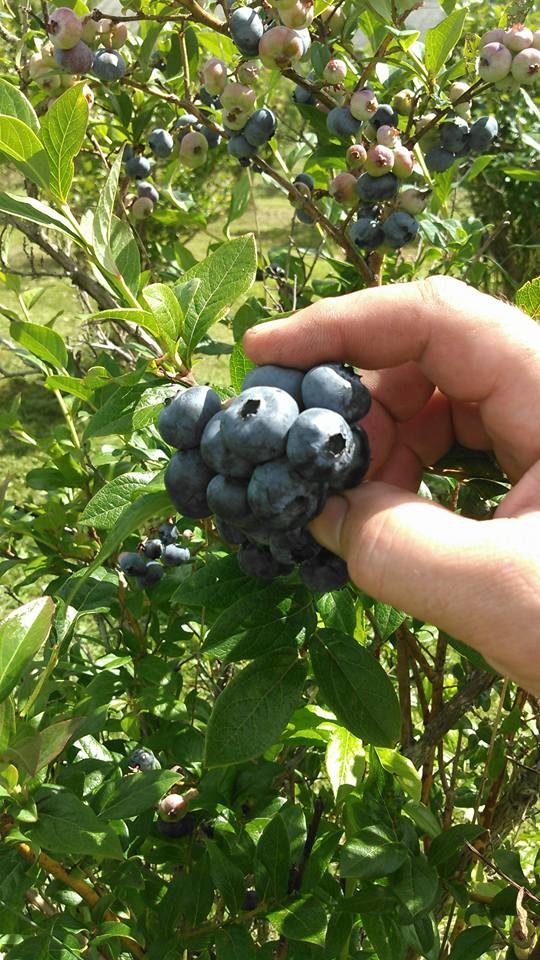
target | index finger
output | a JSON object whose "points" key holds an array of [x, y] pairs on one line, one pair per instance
{"points": [[473, 347]]}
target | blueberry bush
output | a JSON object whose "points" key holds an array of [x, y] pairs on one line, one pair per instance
{"points": [[212, 745]]}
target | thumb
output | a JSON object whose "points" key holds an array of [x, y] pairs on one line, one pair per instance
{"points": [[419, 557]]}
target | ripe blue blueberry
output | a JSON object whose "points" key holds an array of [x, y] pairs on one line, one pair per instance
{"points": [[304, 216], [161, 142], [255, 560], [399, 228], [320, 442], [132, 564], [142, 759], [353, 473], [186, 479], [108, 65], [283, 498], [239, 147], [301, 95], [370, 188], [482, 133], [217, 455], [384, 115], [229, 532], [256, 423], [182, 421], [293, 546], [168, 532], [228, 498], [153, 549], [177, 828], [174, 556], [146, 189], [77, 59], [270, 375], [138, 167], [324, 572], [260, 127], [336, 387], [305, 178], [246, 28], [212, 136], [341, 123], [454, 135], [151, 576], [438, 160], [366, 232]]}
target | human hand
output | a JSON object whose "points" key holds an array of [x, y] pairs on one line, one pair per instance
{"points": [[444, 363]]}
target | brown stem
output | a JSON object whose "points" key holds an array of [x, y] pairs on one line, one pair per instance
{"points": [[80, 886], [404, 689], [197, 14]]}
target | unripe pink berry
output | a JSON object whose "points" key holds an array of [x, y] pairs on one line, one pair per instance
{"points": [[379, 160], [356, 156], [335, 71], [518, 38], [64, 28], [403, 162], [494, 62], [492, 36], [118, 35], [280, 47], [388, 136], [43, 71], [193, 150], [236, 96], [104, 26], [297, 17], [77, 59], [334, 19], [363, 104], [141, 208], [248, 72], [412, 200], [173, 806], [343, 189], [526, 65], [214, 75]]}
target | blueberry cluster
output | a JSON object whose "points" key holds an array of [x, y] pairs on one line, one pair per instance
{"points": [[147, 566], [457, 139], [264, 463], [72, 35]]}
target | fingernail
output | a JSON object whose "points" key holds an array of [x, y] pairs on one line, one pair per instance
{"points": [[327, 527]]}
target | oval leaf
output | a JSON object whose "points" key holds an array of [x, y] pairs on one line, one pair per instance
{"points": [[22, 633], [62, 131], [356, 688], [253, 709]]}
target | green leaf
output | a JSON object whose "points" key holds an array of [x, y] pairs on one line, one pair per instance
{"points": [[402, 768], [338, 611], [239, 200], [7, 719], [225, 275], [63, 129], [423, 817], [522, 173], [125, 254], [416, 885], [27, 208], [138, 792], [103, 217], [274, 852], [441, 40], [254, 708], [528, 297], [271, 618], [106, 507], [234, 943], [372, 854], [70, 827], [386, 936], [227, 877], [13, 103], [219, 583], [54, 738], [22, 633], [115, 414], [75, 386], [167, 313], [303, 920], [19, 142], [239, 365], [452, 841], [344, 759], [41, 342], [356, 688], [472, 943], [387, 619]]}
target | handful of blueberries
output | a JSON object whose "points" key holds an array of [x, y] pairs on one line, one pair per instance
{"points": [[265, 462]]}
